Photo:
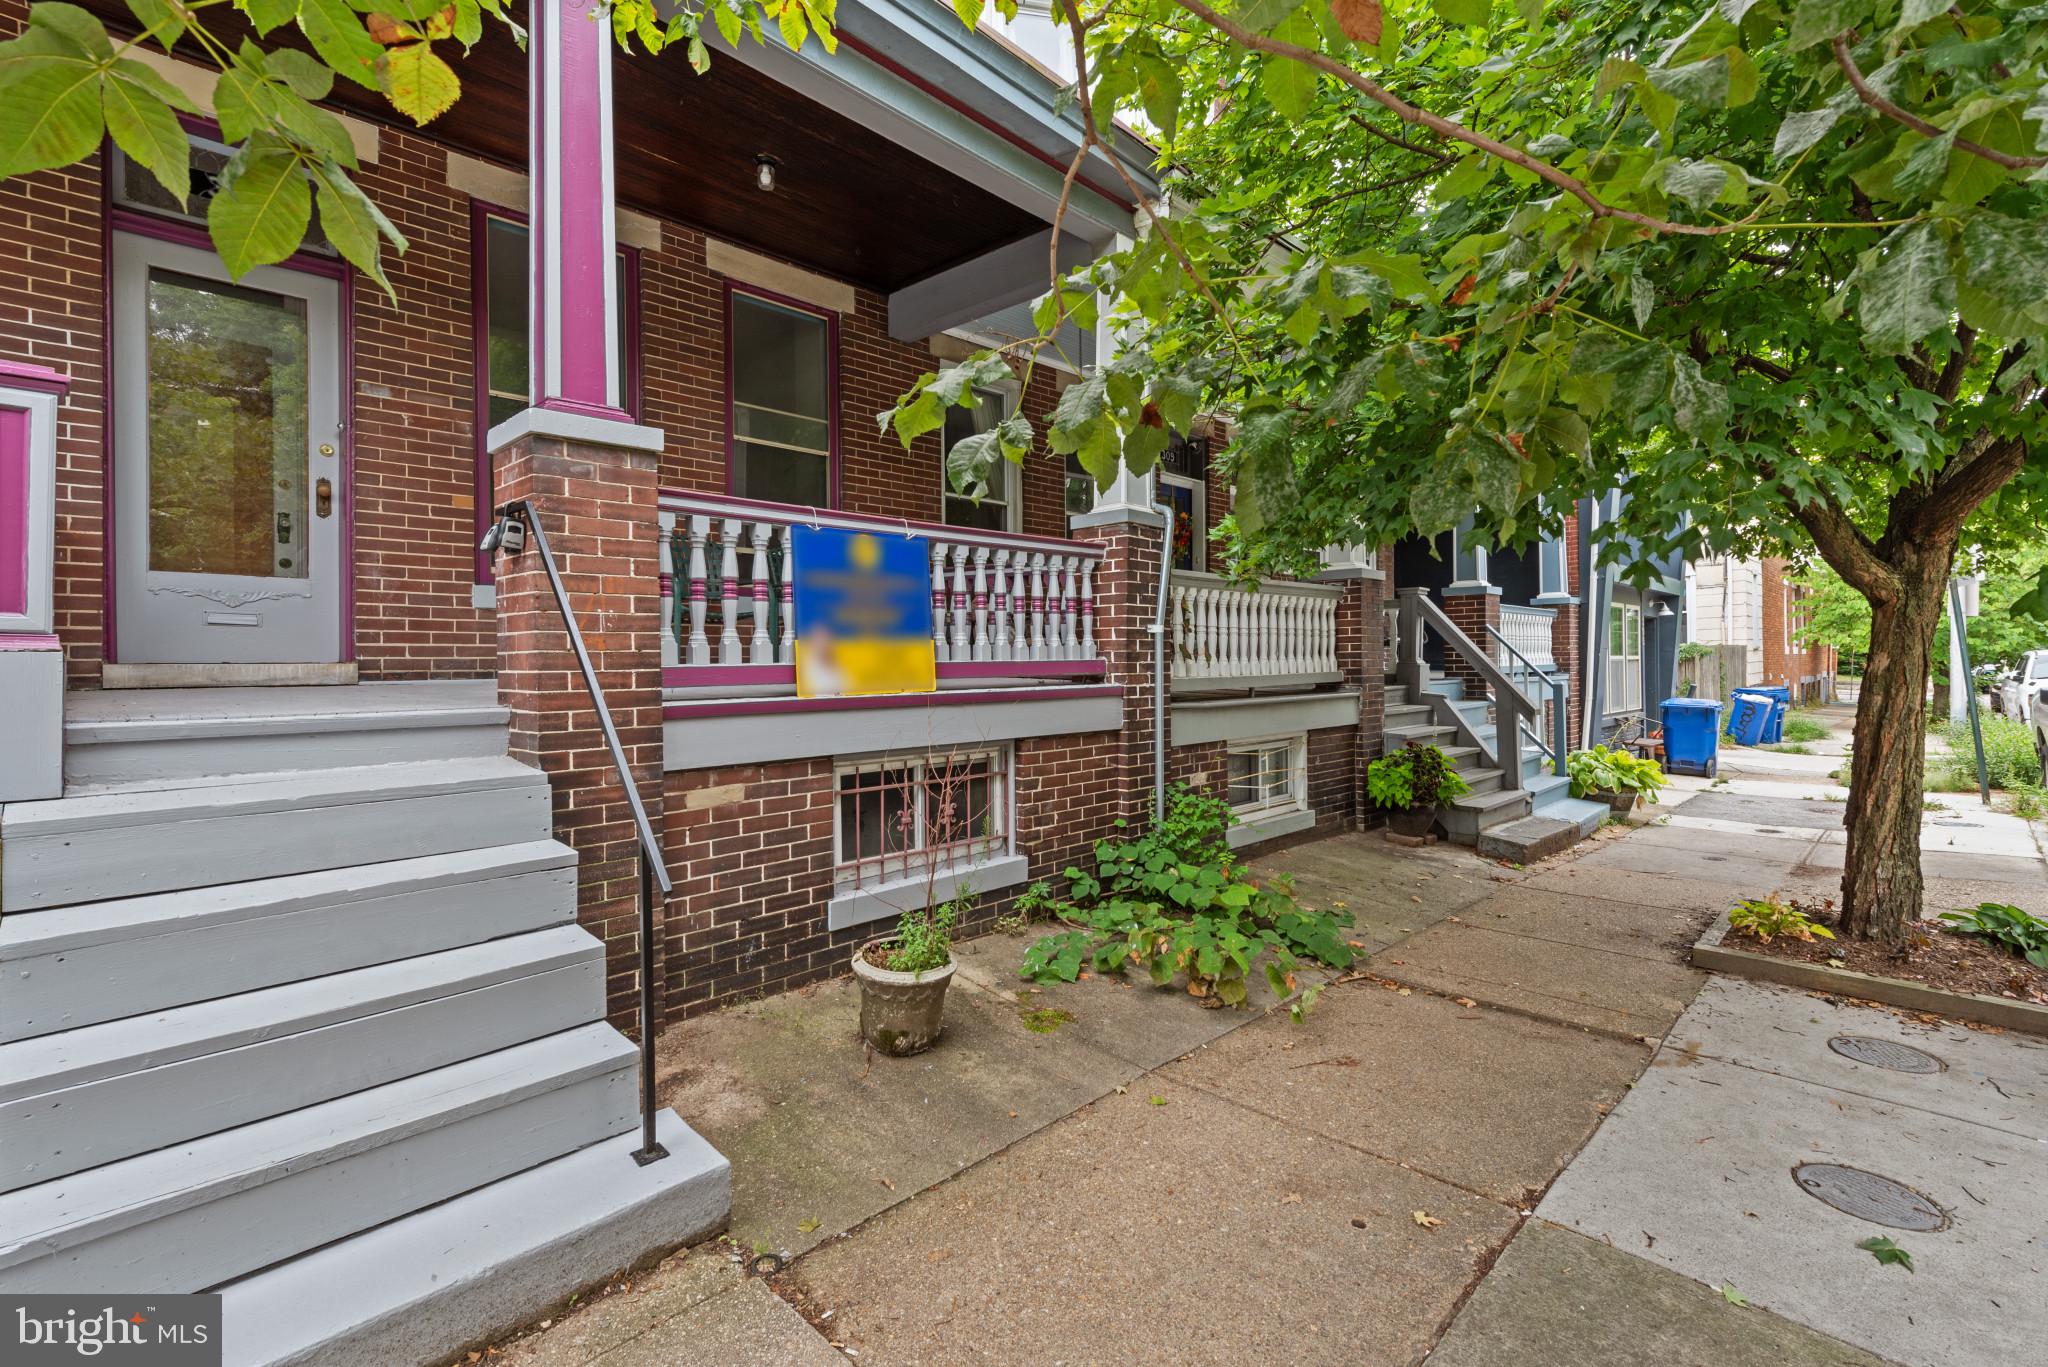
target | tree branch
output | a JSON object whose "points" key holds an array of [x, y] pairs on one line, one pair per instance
{"points": [[1950, 380], [1869, 95], [1456, 132], [1842, 543], [1402, 143]]}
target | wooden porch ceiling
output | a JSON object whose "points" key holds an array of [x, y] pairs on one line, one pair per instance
{"points": [[847, 201]]}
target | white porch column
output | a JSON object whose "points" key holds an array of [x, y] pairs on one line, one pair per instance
{"points": [[575, 358], [31, 660]]}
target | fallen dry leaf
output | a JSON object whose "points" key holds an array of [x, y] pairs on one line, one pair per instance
{"points": [[1292, 1198], [1466, 1002], [1425, 1219], [1401, 992], [887, 1183]]}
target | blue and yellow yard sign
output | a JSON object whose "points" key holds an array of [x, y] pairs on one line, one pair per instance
{"points": [[863, 613]]}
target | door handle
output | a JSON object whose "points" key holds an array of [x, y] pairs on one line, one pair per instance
{"points": [[323, 497]]}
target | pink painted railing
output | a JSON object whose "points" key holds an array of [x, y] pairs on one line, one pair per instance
{"points": [[1003, 606]]}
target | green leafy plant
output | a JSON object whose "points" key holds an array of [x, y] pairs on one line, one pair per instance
{"points": [[1767, 918], [924, 937], [1887, 1253], [2023, 934], [1601, 770], [1175, 904], [1414, 776], [2009, 759]]}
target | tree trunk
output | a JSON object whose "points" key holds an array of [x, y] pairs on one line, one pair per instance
{"points": [[1881, 883]]}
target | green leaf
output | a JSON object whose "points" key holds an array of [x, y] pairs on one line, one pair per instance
{"points": [[1470, 13], [1699, 407], [1818, 21], [969, 461], [1289, 84], [158, 19], [421, 86], [1159, 91], [1694, 183], [137, 73], [74, 23], [1914, 13], [1887, 1253], [1909, 291], [353, 223], [1801, 131], [969, 11], [1642, 297], [728, 23], [265, 15], [337, 35], [308, 79], [1925, 166], [260, 210], [1466, 177], [1731, 1295], [2008, 256], [790, 23], [50, 113], [1705, 82], [1082, 427], [144, 127]]}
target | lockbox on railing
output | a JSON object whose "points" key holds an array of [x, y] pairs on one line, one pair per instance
{"points": [[1692, 736]]}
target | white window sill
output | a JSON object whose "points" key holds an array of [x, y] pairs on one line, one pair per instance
{"points": [[887, 901], [1269, 827]]}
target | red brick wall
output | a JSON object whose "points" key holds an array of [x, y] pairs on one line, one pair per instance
{"points": [[415, 432], [1791, 665], [52, 313], [750, 849]]}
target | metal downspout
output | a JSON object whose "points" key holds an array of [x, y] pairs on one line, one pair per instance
{"points": [[1158, 630]]}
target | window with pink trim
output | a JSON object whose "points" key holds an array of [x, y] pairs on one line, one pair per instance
{"points": [[782, 400], [502, 302]]}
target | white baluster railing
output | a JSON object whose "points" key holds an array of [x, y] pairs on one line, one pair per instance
{"points": [[1283, 635], [1527, 629], [1005, 608]]}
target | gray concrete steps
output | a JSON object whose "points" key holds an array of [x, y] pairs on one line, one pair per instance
{"points": [[79, 965], [1406, 714], [1394, 737], [469, 1270], [1481, 780], [159, 736], [81, 1098], [1466, 817], [197, 1214], [89, 848]]}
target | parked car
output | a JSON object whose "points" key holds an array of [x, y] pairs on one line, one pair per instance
{"points": [[1991, 679], [2037, 712], [2025, 684]]}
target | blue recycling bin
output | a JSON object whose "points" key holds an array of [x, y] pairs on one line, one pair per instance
{"points": [[1749, 714], [1781, 703], [1692, 736]]}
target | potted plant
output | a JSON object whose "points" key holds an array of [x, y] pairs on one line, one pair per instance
{"points": [[1411, 784], [903, 980], [1613, 776]]}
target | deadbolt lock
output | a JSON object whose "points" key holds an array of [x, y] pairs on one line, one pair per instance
{"points": [[323, 497], [326, 448]]}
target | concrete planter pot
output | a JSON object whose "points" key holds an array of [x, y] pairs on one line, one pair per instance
{"points": [[901, 1013]]}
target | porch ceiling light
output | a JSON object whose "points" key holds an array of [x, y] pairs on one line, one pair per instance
{"points": [[1658, 608], [764, 171]]}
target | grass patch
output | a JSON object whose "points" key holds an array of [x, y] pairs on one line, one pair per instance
{"points": [[2008, 756], [1044, 1020], [1790, 749], [1798, 728]]}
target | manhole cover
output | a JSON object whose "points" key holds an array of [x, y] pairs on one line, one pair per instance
{"points": [[1884, 1053], [1867, 1196]]}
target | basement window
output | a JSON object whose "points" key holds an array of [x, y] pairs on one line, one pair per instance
{"points": [[901, 816], [1267, 777]]}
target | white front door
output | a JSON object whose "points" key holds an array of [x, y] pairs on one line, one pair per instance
{"points": [[228, 466]]}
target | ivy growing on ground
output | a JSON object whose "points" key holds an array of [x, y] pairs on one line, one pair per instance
{"points": [[1174, 903]]}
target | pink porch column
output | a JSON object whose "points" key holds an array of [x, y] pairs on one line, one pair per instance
{"points": [[590, 475], [575, 357], [31, 660]]}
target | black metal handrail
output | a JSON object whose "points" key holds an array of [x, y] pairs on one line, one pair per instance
{"points": [[521, 515]]}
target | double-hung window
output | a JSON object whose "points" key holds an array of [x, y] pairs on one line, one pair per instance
{"points": [[1001, 508], [899, 816], [1624, 658], [1265, 777], [781, 379]]}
